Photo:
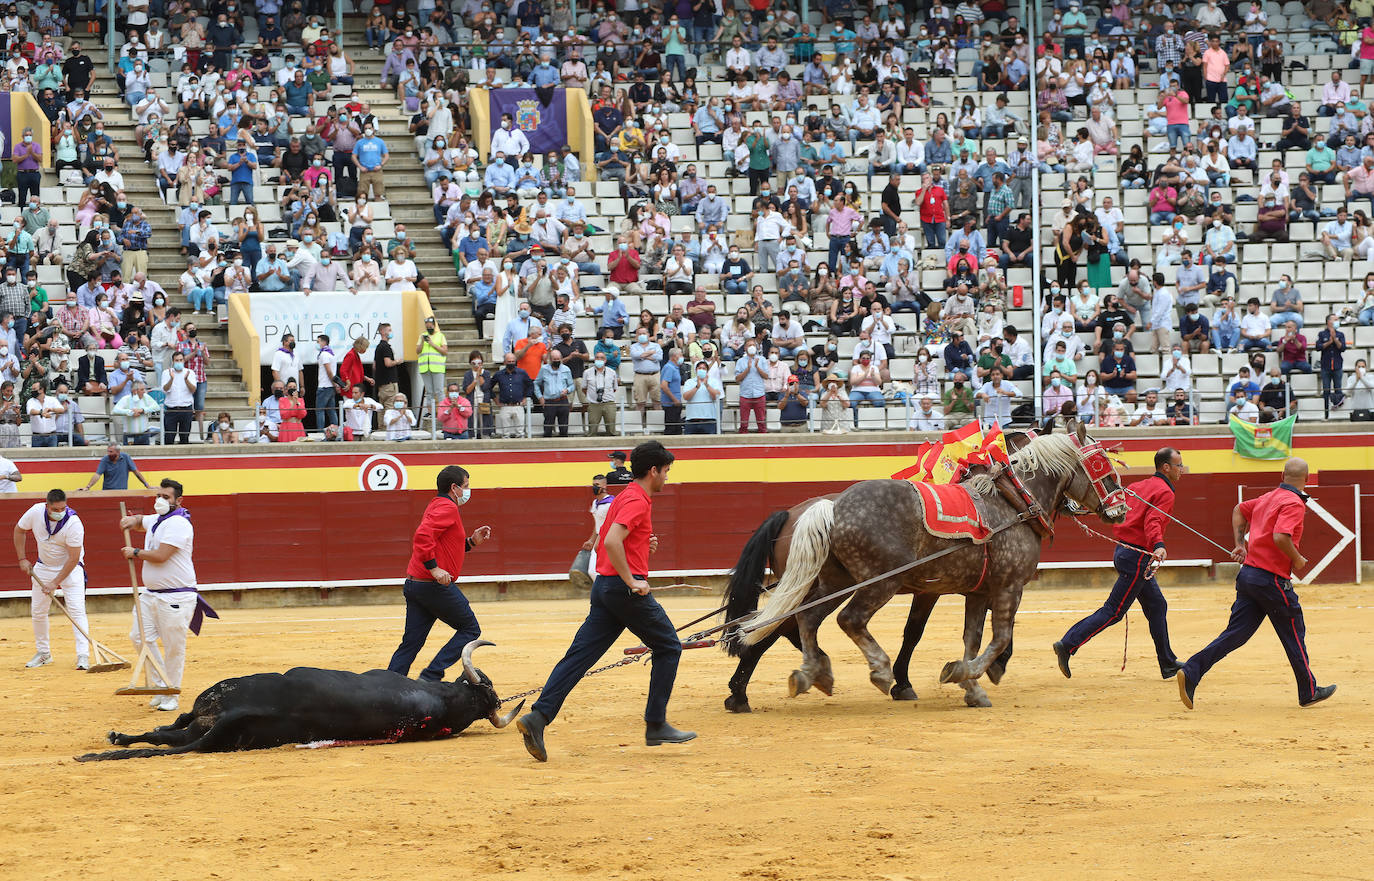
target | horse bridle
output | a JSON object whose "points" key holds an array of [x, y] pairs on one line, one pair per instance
{"points": [[1097, 465]]}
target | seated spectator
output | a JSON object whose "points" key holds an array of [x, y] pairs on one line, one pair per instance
{"points": [[1242, 388], [1118, 372], [1180, 411], [1271, 222], [1150, 412], [1254, 327], [1292, 349], [1276, 400]]}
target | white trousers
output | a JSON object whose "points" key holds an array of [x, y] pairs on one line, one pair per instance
{"points": [[166, 616], [73, 597], [510, 421]]}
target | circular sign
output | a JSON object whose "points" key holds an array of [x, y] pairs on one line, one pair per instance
{"points": [[381, 473]]}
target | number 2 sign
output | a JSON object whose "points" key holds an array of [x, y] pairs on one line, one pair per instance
{"points": [[381, 473]]}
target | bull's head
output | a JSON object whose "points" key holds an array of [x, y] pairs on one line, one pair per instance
{"points": [[489, 701]]}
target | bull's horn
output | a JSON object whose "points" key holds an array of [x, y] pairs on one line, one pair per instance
{"points": [[469, 671], [503, 721]]}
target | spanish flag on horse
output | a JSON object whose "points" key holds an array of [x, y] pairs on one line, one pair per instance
{"points": [[945, 460]]}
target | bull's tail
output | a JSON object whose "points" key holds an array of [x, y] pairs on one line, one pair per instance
{"points": [[805, 556], [145, 753], [746, 581]]}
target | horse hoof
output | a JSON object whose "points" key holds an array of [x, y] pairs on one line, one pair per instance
{"points": [[113, 737], [825, 684], [903, 693], [995, 673], [883, 682], [954, 671], [797, 684], [977, 698], [738, 704]]}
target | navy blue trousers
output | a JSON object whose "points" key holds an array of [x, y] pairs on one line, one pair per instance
{"points": [[615, 608], [1261, 594], [1131, 585], [427, 602]]}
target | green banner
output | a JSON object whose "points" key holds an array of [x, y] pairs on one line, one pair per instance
{"points": [[1272, 440]]}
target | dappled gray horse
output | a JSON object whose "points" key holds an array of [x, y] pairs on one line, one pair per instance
{"points": [[876, 526]]}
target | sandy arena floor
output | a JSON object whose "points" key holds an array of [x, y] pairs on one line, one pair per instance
{"points": [[1104, 776]]}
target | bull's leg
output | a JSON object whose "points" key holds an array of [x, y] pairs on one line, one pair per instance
{"points": [[176, 731], [854, 622], [1004, 605], [738, 701], [921, 606]]}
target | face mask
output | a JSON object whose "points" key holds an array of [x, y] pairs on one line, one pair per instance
{"points": [[224, 426], [752, 350], [773, 358], [524, 313], [701, 373], [399, 405], [600, 362], [162, 506]]}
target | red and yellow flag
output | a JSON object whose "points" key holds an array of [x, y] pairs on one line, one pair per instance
{"points": [[944, 461]]}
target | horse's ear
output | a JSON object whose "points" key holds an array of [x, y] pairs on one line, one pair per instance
{"points": [[1016, 440], [1082, 431]]}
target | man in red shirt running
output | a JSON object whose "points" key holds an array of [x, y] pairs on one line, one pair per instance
{"points": [[620, 599], [1139, 551], [436, 560], [1263, 585]]}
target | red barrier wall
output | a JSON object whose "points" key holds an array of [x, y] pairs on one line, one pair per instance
{"points": [[347, 536]]}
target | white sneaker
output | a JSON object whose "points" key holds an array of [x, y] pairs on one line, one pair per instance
{"points": [[83, 662], [156, 702], [40, 659], [169, 704]]}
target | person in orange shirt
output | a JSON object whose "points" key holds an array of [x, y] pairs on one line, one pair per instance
{"points": [[529, 355], [292, 410], [1215, 64]]}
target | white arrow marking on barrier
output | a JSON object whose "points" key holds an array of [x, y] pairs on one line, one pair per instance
{"points": [[1346, 538]]}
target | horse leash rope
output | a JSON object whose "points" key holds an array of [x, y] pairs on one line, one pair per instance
{"points": [[625, 661], [1226, 551]]}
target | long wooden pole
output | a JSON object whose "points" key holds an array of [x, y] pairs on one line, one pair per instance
{"points": [[145, 653]]}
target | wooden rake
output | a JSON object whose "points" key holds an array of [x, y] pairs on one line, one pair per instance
{"points": [[103, 658], [146, 653]]}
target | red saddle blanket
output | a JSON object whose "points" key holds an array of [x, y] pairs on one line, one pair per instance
{"points": [[949, 511]]}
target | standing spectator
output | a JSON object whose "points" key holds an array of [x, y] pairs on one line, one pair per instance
{"points": [[751, 371], [1331, 348], [28, 160], [554, 388], [701, 394], [432, 353], [241, 164], [840, 226], [195, 354], [138, 409], [327, 385], [670, 392], [510, 389], [385, 365], [179, 386], [370, 156], [114, 469], [600, 385]]}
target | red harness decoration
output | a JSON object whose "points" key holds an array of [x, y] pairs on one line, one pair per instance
{"points": [[1098, 466], [948, 511]]}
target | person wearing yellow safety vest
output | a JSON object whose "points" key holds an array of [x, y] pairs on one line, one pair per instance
{"points": [[432, 352]]}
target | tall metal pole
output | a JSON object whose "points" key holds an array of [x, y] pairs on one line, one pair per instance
{"points": [[1037, 259], [110, 34], [338, 21]]}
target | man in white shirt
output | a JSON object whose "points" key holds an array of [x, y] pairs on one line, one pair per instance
{"points": [[43, 409], [169, 603], [1019, 351], [737, 59], [1254, 327], [163, 340], [927, 418], [509, 140], [9, 476], [1151, 411], [1177, 371], [179, 387], [769, 230], [787, 334], [358, 410], [401, 274], [300, 262], [60, 537], [1111, 217], [137, 407], [286, 364]]}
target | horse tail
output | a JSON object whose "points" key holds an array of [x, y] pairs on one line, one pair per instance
{"points": [[805, 556], [746, 580]]}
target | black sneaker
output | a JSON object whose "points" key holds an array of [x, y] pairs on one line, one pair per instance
{"points": [[1185, 689], [531, 727], [1319, 695], [1169, 670], [1062, 653], [659, 733]]}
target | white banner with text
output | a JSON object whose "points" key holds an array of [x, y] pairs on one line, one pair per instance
{"points": [[342, 316]]}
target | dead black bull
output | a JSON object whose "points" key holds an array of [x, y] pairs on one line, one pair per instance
{"points": [[306, 704]]}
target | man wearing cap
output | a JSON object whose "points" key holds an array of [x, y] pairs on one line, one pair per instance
{"points": [[1267, 533], [619, 475]]}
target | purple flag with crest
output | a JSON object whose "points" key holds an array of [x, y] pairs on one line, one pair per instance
{"points": [[542, 114]]}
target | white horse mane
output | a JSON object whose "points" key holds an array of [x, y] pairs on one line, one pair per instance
{"points": [[1054, 454]]}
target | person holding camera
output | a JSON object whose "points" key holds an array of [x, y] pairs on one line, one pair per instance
{"points": [[432, 353]]}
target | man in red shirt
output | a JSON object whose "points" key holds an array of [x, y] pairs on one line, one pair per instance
{"points": [[1263, 585], [1139, 552], [436, 559], [620, 599]]}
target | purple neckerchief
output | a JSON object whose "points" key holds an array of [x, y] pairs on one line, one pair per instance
{"points": [[202, 607], [175, 512], [326, 349], [289, 353], [55, 529]]}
